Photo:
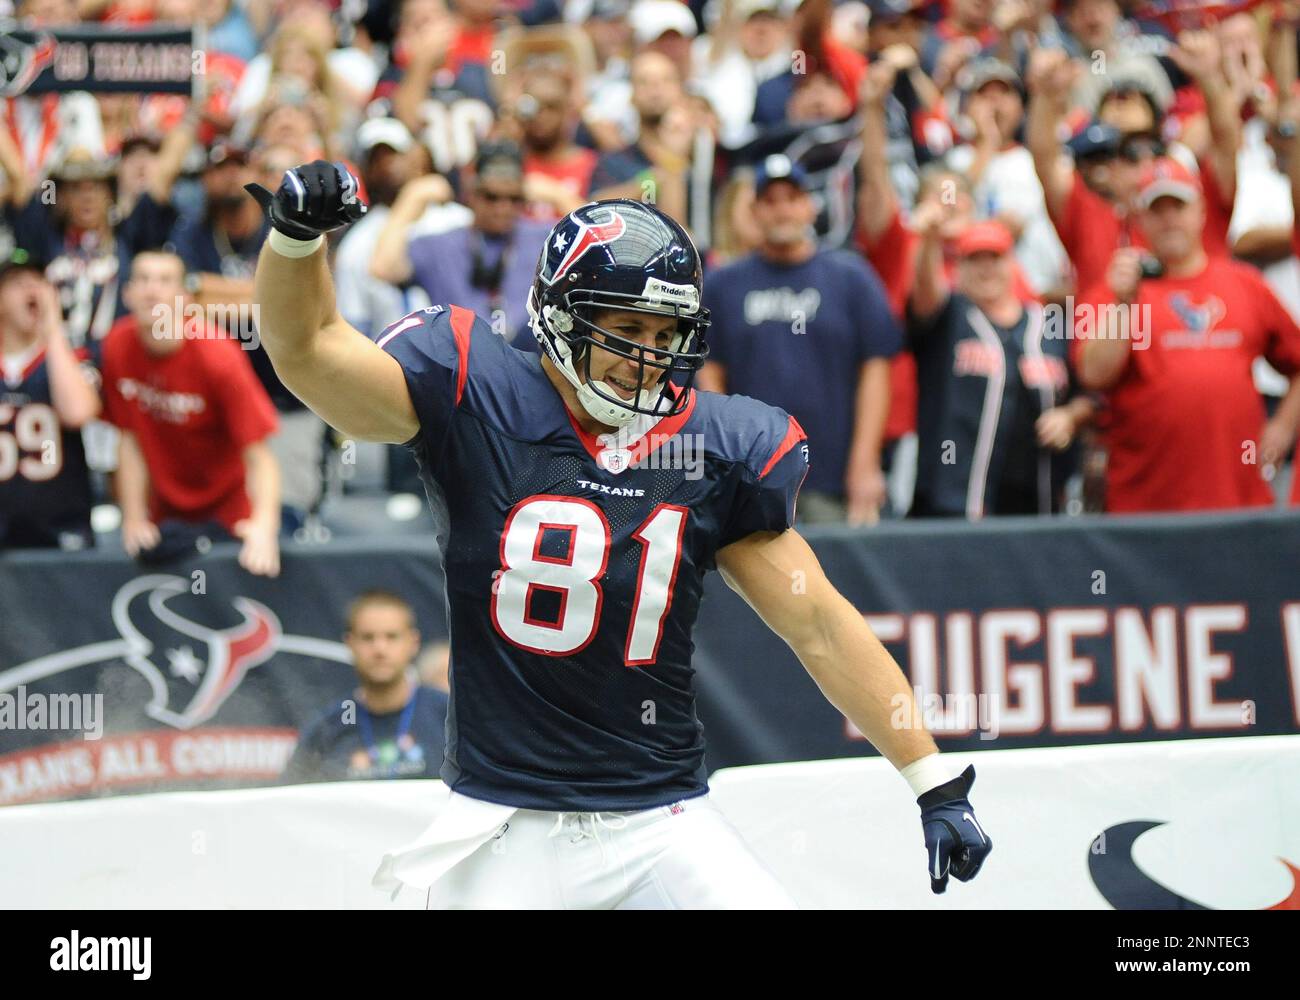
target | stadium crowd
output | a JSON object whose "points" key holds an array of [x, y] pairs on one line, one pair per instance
{"points": [[996, 256]]}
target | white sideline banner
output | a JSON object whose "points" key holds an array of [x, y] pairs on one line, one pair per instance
{"points": [[1218, 824]]}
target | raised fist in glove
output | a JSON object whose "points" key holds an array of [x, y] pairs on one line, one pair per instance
{"points": [[954, 840], [315, 198]]}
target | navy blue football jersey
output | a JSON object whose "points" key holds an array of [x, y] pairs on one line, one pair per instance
{"points": [[575, 566], [44, 480]]}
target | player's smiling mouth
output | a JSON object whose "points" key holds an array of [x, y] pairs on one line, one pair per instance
{"points": [[625, 389]]}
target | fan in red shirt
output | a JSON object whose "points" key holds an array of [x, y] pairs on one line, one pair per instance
{"points": [[1091, 200], [1186, 422], [194, 422]]}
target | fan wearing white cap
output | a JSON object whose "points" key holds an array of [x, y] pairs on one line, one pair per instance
{"points": [[391, 165], [748, 42]]}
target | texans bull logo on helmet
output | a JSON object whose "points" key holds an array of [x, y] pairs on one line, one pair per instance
{"points": [[590, 234]]}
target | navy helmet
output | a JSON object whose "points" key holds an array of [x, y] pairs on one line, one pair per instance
{"points": [[620, 254]]}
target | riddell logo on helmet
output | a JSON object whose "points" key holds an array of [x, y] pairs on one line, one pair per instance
{"points": [[657, 290]]}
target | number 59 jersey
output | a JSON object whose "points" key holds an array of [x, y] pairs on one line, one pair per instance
{"points": [[575, 566]]}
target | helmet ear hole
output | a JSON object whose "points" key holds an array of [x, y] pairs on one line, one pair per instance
{"points": [[559, 320]]}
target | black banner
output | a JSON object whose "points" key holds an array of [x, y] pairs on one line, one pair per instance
{"points": [[99, 58], [1016, 633]]}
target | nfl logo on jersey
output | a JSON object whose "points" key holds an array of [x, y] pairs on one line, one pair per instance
{"points": [[615, 459]]}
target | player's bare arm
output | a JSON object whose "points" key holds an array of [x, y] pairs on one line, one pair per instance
{"points": [[781, 579], [347, 380], [779, 576]]}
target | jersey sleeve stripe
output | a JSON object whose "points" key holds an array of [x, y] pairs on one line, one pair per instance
{"points": [[793, 435], [462, 321], [401, 327]]}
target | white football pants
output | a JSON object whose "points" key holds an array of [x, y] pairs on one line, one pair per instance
{"points": [[480, 855]]}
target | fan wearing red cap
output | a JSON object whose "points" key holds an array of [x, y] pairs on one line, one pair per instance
{"points": [[997, 410], [1186, 424], [1092, 197]]}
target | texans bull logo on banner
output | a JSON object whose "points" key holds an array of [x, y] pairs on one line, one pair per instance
{"points": [[1125, 886], [22, 62], [190, 666]]}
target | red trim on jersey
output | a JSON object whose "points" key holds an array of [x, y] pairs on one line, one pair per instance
{"points": [[793, 435], [649, 442], [462, 321]]}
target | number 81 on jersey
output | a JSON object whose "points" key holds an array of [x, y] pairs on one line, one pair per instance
{"points": [[574, 577]]}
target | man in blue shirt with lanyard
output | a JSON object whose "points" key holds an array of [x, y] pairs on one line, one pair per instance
{"points": [[391, 726], [489, 265]]}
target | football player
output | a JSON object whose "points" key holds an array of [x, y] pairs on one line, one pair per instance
{"points": [[580, 497]]}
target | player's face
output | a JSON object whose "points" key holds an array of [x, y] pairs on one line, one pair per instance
{"points": [[644, 329], [383, 642], [1173, 227]]}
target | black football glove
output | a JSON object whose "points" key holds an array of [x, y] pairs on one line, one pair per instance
{"points": [[954, 840], [315, 198]]}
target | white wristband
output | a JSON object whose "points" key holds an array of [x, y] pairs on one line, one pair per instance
{"points": [[287, 246], [927, 773]]}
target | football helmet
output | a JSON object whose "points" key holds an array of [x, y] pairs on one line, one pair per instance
{"points": [[620, 254]]}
